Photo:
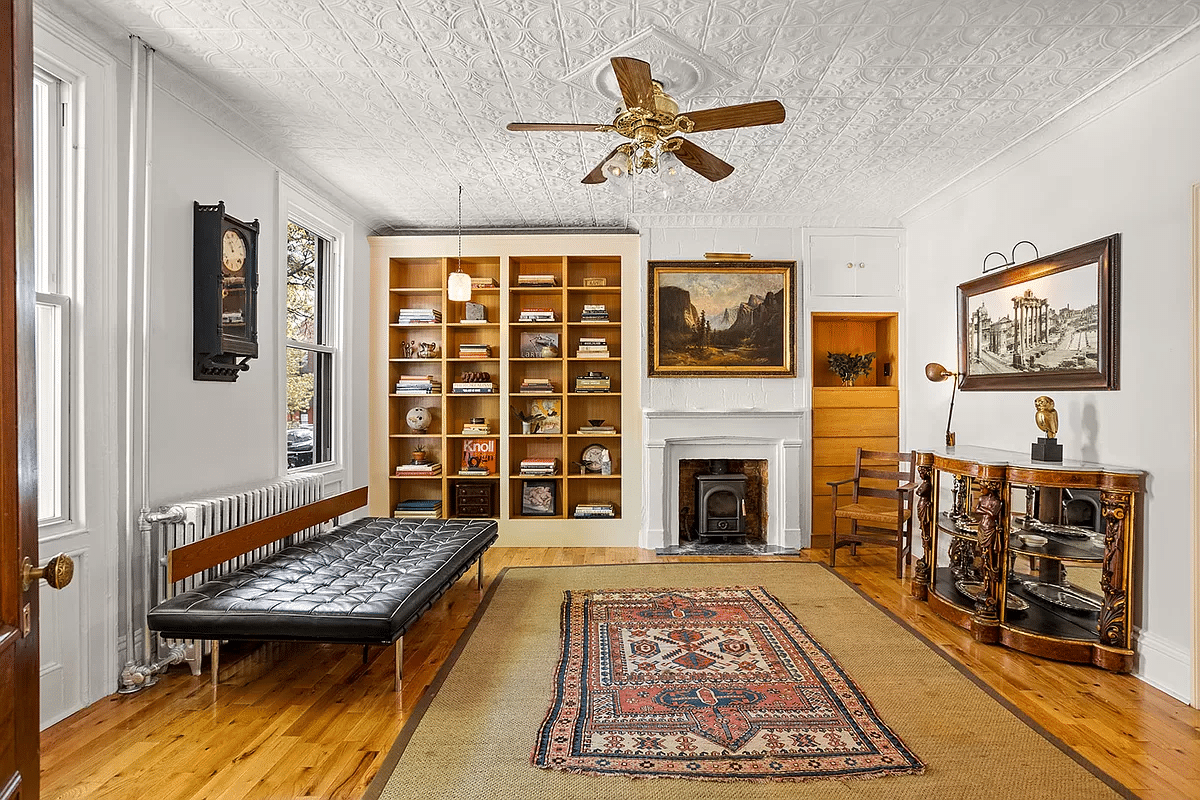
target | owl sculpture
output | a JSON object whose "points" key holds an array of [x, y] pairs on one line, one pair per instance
{"points": [[1046, 417]]}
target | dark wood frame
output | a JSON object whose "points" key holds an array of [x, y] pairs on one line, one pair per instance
{"points": [[1107, 253], [786, 370], [525, 512]]}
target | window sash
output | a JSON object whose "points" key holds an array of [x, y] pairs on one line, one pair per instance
{"points": [[53, 343], [320, 354]]}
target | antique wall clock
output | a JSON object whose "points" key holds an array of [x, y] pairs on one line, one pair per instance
{"points": [[224, 295]]}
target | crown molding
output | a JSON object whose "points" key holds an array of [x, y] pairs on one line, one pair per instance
{"points": [[760, 220]]}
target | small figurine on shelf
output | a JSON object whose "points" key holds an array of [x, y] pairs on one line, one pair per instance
{"points": [[1046, 448], [409, 348]]}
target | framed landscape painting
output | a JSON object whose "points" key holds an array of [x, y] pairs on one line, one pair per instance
{"points": [[721, 319], [1052, 323]]}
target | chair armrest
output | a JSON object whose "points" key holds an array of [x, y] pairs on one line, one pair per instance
{"points": [[839, 483]]}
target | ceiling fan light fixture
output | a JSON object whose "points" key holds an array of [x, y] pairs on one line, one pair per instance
{"points": [[670, 169], [617, 167]]}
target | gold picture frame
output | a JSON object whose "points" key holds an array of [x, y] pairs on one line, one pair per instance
{"points": [[721, 319]]}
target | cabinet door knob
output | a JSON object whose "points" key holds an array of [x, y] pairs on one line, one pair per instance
{"points": [[861, 265], [849, 265]]}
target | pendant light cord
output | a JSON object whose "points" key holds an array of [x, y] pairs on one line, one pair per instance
{"points": [[460, 227]]}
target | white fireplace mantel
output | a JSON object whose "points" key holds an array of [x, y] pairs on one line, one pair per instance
{"points": [[773, 436]]}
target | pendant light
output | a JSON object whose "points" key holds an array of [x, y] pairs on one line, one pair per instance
{"points": [[458, 285]]}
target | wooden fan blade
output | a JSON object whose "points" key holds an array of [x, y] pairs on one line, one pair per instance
{"points": [[702, 161], [597, 174], [551, 126], [633, 76], [747, 115]]}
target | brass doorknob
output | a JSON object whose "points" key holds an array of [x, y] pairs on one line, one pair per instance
{"points": [[57, 572]]}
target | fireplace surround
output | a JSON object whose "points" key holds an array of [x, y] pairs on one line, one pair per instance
{"points": [[773, 436]]}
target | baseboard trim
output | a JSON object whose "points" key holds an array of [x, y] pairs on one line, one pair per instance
{"points": [[1163, 665]]}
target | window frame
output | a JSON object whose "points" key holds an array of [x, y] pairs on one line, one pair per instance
{"points": [[298, 207]]}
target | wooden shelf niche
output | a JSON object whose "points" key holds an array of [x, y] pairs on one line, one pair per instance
{"points": [[844, 418]]}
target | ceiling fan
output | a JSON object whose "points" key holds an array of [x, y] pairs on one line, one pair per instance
{"points": [[650, 118]]}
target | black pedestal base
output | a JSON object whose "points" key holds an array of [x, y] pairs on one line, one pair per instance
{"points": [[1046, 450]]}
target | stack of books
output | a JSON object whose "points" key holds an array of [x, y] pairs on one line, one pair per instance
{"points": [[592, 347], [597, 428], [535, 280], [536, 315], [480, 282], [424, 468], [594, 312], [476, 429], [431, 509], [474, 472], [473, 387], [594, 511], [470, 350], [418, 384], [537, 385], [593, 382], [539, 466], [419, 316]]}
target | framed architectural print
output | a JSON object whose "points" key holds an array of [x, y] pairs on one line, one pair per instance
{"points": [[1052, 323], [721, 319]]}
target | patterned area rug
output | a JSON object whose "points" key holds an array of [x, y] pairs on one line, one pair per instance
{"points": [[713, 684]]}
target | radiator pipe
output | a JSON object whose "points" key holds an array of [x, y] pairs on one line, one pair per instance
{"points": [[143, 523], [130, 343], [134, 677]]}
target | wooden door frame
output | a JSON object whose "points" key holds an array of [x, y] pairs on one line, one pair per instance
{"points": [[18, 451]]}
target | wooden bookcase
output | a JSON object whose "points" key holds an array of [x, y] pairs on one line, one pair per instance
{"points": [[844, 418], [415, 273]]}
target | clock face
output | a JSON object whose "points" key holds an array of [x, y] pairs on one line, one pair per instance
{"points": [[233, 251]]}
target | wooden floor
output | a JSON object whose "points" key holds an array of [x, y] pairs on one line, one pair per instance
{"points": [[292, 721]]}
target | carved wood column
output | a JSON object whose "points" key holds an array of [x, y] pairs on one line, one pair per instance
{"points": [[985, 623], [1113, 625], [923, 570]]}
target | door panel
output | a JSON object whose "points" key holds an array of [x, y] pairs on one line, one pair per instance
{"points": [[18, 455]]}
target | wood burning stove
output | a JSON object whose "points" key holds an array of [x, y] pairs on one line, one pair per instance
{"points": [[720, 505]]}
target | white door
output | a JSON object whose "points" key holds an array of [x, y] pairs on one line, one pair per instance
{"points": [[831, 265], [877, 265], [76, 372]]}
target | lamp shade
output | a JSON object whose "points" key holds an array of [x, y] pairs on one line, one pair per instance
{"points": [[936, 372], [458, 286]]}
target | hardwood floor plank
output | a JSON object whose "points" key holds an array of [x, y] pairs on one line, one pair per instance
{"points": [[302, 720]]}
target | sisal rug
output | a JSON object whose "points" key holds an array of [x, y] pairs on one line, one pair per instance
{"points": [[472, 734], [716, 683]]}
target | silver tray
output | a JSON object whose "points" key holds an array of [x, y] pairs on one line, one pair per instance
{"points": [[972, 589], [1066, 531], [1061, 596]]}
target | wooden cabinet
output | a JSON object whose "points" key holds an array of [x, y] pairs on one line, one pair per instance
{"points": [[854, 265], [865, 414], [1035, 556]]}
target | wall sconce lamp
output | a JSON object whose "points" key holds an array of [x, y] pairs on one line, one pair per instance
{"points": [[937, 373], [458, 284]]}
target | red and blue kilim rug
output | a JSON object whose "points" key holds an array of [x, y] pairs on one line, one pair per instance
{"points": [[710, 684]]}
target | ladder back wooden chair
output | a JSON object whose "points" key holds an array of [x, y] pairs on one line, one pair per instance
{"points": [[880, 505]]}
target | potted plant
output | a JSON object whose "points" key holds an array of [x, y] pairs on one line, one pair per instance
{"points": [[850, 367], [418, 455]]}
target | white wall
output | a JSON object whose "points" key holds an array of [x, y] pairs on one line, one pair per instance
{"points": [[1128, 171]]}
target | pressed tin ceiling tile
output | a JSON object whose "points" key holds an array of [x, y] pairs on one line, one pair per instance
{"points": [[394, 103]]}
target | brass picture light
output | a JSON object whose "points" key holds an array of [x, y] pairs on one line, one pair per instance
{"points": [[937, 373]]}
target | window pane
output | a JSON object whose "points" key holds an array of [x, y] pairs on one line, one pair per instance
{"points": [[50, 417], [309, 411], [303, 261]]}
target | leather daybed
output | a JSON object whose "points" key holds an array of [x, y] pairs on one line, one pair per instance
{"points": [[365, 582]]}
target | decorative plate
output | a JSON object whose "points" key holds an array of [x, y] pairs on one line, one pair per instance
{"points": [[973, 589], [593, 457], [1067, 531]]}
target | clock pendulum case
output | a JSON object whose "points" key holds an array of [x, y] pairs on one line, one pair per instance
{"points": [[224, 294]]}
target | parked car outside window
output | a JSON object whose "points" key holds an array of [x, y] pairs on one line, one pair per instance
{"points": [[300, 446]]}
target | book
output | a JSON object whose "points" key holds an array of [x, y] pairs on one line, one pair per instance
{"points": [[547, 415], [482, 282], [478, 454], [419, 504], [539, 345]]}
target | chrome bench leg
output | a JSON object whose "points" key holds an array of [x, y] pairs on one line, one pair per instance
{"points": [[399, 663], [480, 580], [216, 660]]}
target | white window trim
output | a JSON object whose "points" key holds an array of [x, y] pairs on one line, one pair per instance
{"points": [[296, 204]]}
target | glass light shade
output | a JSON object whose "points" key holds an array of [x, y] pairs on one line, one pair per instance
{"points": [[670, 168], [458, 286], [616, 167]]}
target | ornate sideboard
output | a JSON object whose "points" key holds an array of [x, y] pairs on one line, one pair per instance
{"points": [[1032, 555]]}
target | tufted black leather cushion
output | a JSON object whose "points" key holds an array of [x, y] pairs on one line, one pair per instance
{"points": [[364, 582]]}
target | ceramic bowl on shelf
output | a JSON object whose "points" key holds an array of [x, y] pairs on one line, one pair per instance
{"points": [[1032, 539], [595, 423]]}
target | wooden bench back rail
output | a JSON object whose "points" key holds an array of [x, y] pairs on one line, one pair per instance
{"points": [[199, 556]]}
